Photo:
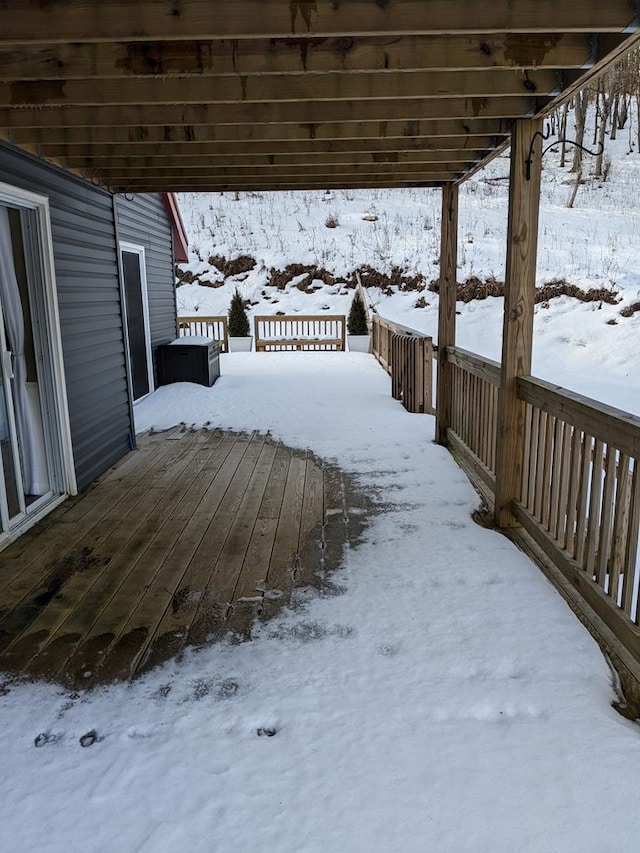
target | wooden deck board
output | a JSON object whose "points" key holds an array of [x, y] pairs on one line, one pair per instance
{"points": [[285, 547], [183, 530], [59, 529], [201, 540], [65, 546], [66, 618], [193, 535]]}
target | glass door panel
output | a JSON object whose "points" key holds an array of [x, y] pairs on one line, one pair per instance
{"points": [[136, 324], [11, 493]]}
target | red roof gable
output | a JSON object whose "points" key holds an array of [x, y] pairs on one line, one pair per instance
{"points": [[180, 240]]}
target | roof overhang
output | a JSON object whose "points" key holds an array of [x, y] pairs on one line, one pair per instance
{"points": [[168, 95]]}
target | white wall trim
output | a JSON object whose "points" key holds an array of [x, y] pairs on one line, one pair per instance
{"points": [[138, 250], [17, 197]]}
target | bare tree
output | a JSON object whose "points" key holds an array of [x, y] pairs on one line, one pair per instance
{"points": [[581, 102]]}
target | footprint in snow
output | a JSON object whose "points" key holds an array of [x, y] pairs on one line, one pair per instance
{"points": [[89, 738], [46, 738], [388, 650]]}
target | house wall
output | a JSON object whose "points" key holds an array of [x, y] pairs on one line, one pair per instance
{"points": [[86, 265], [143, 221]]}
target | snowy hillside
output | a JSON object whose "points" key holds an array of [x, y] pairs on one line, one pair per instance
{"points": [[586, 346]]}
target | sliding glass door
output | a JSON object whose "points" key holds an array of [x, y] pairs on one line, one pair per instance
{"points": [[11, 493], [35, 448]]}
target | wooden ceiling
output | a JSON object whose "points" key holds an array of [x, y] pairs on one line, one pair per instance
{"points": [[192, 95]]}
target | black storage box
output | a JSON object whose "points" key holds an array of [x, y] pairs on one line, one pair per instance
{"points": [[189, 360]]}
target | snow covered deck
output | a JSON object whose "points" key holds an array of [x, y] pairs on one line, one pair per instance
{"points": [[193, 536], [439, 696]]}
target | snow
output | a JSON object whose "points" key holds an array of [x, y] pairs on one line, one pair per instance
{"points": [[447, 700], [593, 245], [193, 340]]}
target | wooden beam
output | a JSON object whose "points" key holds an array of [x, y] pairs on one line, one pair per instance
{"points": [[446, 306], [296, 56], [272, 162], [275, 88], [202, 185], [149, 135], [351, 174], [32, 21], [517, 334], [279, 152], [305, 112]]}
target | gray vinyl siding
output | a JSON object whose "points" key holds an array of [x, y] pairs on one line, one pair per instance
{"points": [[86, 266], [143, 221]]}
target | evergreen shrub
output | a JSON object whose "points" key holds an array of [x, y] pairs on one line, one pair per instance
{"points": [[238, 320], [357, 320]]}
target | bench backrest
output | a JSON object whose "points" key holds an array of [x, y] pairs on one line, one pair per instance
{"points": [[300, 332]]}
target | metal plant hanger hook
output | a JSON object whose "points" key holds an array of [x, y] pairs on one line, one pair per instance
{"points": [[546, 135]]}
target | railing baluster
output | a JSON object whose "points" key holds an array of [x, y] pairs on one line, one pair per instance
{"points": [[604, 539], [593, 522], [573, 492], [530, 473], [556, 477], [528, 427], [542, 448], [584, 496], [547, 469], [630, 592], [620, 526]]}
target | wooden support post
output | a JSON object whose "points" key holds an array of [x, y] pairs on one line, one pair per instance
{"points": [[519, 299], [447, 306]]}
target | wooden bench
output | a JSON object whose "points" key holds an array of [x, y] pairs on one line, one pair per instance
{"points": [[300, 332]]}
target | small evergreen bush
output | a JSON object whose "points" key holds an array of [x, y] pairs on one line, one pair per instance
{"points": [[238, 320], [357, 321]]}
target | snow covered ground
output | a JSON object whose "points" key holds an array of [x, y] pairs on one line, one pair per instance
{"points": [[447, 701], [587, 347]]}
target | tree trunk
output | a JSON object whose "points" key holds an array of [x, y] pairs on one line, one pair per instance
{"points": [[615, 117], [574, 191], [581, 101], [602, 133], [563, 134], [596, 125], [623, 112]]}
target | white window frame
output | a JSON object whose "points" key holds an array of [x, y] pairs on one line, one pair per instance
{"points": [[67, 485], [138, 250]]}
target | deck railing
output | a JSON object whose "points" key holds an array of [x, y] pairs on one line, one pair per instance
{"points": [[300, 332], [208, 327], [580, 497], [580, 490], [407, 356], [474, 410]]}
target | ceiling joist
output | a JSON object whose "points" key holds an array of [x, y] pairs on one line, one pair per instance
{"points": [[421, 149], [280, 112], [37, 22], [163, 95], [273, 161], [278, 88], [484, 51], [348, 131]]}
